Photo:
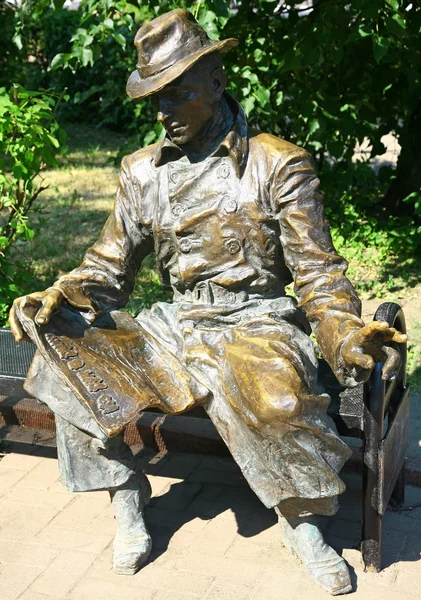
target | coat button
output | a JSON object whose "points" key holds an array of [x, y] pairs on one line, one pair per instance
{"points": [[223, 171], [229, 206], [233, 245], [175, 177], [185, 245], [177, 209]]}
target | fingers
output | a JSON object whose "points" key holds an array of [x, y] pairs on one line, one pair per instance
{"points": [[50, 303], [49, 300], [392, 363], [393, 335], [390, 334], [359, 359], [374, 327], [14, 323]]}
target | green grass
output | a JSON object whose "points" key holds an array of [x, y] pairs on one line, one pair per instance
{"points": [[70, 215]]}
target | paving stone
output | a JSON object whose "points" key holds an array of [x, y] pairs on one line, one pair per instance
{"points": [[216, 463], [410, 585], [223, 546], [105, 523], [179, 466], [23, 522], [230, 570], [215, 539], [180, 580], [26, 553], [411, 551], [30, 595], [176, 595], [262, 534], [68, 539], [90, 588], [21, 462], [344, 529], [63, 573], [195, 524], [202, 475], [274, 585], [59, 488], [412, 495], [247, 548], [15, 580], [401, 522], [42, 476], [393, 537], [82, 511], [221, 508], [8, 478], [222, 590], [178, 496], [39, 497], [160, 484]]}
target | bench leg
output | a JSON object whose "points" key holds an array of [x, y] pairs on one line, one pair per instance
{"points": [[371, 544], [398, 494]]}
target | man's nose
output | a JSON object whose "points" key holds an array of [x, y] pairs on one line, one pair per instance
{"points": [[161, 117], [164, 112]]}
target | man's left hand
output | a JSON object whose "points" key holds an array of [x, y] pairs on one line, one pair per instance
{"points": [[367, 346]]}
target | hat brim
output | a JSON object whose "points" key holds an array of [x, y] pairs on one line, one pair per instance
{"points": [[140, 88]]}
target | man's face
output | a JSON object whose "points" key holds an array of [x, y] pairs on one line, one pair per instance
{"points": [[186, 105]]}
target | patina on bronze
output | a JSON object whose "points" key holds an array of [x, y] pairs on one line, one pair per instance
{"points": [[233, 215]]}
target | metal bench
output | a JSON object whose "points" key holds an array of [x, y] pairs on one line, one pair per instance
{"points": [[376, 412]]}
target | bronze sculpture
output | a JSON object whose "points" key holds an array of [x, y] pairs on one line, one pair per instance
{"points": [[232, 214]]}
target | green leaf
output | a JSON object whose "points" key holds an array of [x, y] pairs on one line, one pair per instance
{"points": [[279, 98], [54, 141], [364, 31], [18, 40], [248, 104], [314, 125], [109, 23], [262, 94], [252, 77], [380, 47], [396, 24], [393, 4], [120, 39], [87, 56], [58, 60]]}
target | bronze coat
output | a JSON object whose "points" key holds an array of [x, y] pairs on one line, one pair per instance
{"points": [[229, 233]]}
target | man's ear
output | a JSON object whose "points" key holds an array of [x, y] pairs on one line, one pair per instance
{"points": [[219, 82]]}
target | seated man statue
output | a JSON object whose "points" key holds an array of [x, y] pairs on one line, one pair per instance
{"points": [[233, 215]]}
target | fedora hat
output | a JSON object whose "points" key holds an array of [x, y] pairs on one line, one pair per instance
{"points": [[167, 47]]}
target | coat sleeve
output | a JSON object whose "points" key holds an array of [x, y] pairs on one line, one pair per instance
{"points": [[324, 293], [106, 277]]}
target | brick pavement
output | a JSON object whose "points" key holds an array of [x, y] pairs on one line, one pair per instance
{"points": [[213, 540]]}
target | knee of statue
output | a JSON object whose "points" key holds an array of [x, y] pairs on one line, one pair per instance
{"points": [[279, 407]]}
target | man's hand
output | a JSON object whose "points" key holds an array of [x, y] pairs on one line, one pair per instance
{"points": [[367, 346], [38, 306]]}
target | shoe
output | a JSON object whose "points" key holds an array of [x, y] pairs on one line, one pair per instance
{"points": [[130, 553], [132, 543], [323, 565]]}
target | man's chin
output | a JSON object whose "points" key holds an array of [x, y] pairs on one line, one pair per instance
{"points": [[180, 139]]}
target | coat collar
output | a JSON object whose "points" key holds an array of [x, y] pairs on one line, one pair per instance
{"points": [[234, 145]]}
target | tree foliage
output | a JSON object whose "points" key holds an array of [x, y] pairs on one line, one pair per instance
{"points": [[29, 136], [326, 76]]}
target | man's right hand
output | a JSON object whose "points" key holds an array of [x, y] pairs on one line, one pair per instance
{"points": [[44, 303]]}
